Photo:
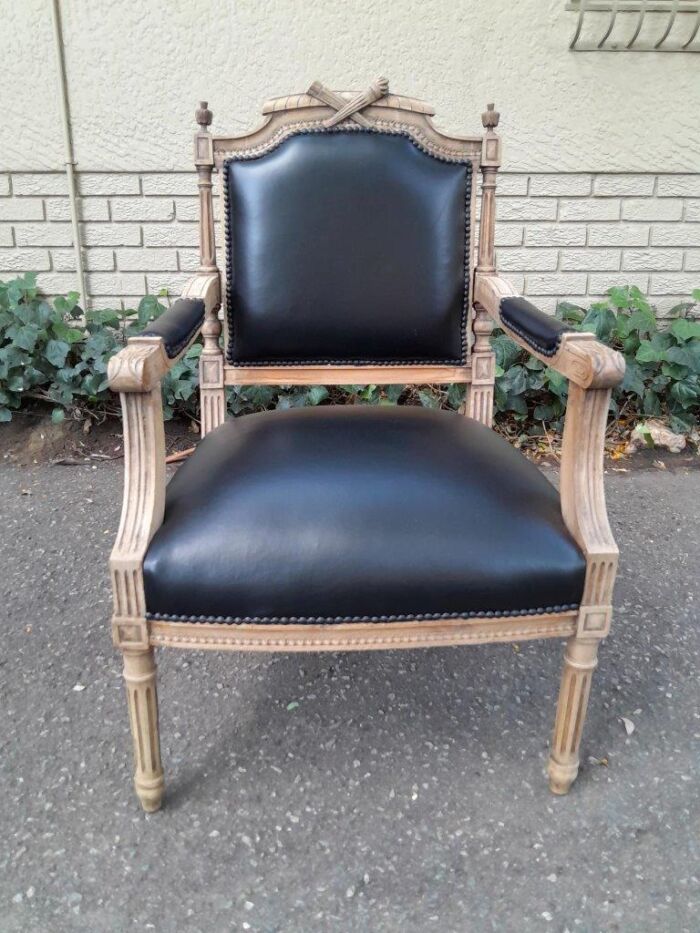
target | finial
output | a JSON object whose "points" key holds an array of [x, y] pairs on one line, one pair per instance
{"points": [[490, 117], [203, 115]]}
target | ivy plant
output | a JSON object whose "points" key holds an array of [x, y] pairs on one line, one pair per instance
{"points": [[51, 352]]}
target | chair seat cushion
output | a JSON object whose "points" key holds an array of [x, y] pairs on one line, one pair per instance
{"points": [[341, 514]]}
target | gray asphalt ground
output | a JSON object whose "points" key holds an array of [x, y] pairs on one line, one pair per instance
{"points": [[405, 792]]}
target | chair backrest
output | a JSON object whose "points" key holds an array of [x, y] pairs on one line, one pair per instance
{"points": [[349, 239]]}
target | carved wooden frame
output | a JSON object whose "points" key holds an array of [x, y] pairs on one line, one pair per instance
{"points": [[136, 372]]}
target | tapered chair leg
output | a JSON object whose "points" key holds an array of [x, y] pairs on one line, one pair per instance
{"points": [[141, 691], [580, 660]]}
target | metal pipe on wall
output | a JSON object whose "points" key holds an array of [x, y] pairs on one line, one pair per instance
{"points": [[68, 145]]}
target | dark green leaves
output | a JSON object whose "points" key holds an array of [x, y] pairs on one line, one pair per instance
{"points": [[51, 351]]}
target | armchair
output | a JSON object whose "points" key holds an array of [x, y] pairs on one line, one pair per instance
{"points": [[350, 224]]}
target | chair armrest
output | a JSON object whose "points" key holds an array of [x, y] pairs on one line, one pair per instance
{"points": [[584, 360], [135, 372], [592, 369], [145, 359], [178, 325]]}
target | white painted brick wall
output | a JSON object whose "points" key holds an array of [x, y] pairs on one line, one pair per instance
{"points": [[558, 236]]}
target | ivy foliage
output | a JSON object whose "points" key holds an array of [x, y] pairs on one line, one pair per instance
{"points": [[662, 375], [53, 353]]}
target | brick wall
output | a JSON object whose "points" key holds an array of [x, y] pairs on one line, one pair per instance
{"points": [[558, 236]]}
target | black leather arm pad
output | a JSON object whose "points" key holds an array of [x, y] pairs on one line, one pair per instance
{"points": [[539, 330], [178, 325]]}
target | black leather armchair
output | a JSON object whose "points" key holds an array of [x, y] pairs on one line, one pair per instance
{"points": [[349, 253]]}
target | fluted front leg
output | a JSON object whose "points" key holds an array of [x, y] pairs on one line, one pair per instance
{"points": [[141, 691], [580, 660]]}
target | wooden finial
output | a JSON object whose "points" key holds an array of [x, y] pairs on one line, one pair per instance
{"points": [[490, 117], [203, 115]]}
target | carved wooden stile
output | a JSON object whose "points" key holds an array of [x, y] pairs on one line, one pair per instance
{"points": [[585, 514], [480, 392], [211, 361]]}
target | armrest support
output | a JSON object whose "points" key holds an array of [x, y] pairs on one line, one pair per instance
{"points": [[584, 360], [592, 369], [145, 359], [135, 372]]}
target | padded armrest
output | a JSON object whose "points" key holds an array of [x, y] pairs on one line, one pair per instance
{"points": [[577, 355], [178, 325], [540, 331]]}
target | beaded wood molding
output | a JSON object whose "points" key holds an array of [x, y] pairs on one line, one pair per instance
{"points": [[320, 108], [359, 636]]}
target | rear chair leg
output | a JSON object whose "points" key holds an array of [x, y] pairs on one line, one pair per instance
{"points": [[580, 660], [142, 696]]}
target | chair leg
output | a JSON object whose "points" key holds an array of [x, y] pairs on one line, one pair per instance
{"points": [[142, 696], [580, 660]]}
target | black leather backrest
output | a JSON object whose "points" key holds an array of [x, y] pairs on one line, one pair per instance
{"points": [[347, 247]]}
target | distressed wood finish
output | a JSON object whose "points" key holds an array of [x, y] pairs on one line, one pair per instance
{"points": [[583, 507], [136, 372], [592, 369], [581, 358], [479, 403], [142, 511], [490, 163], [142, 698], [212, 390], [580, 660], [345, 375], [360, 636]]}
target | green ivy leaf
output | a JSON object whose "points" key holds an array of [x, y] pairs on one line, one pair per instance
{"points": [[686, 392], [316, 395], [684, 329], [23, 336], [633, 380], [56, 352], [648, 353], [65, 333], [57, 416]]}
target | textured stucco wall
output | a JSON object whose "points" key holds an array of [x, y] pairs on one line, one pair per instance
{"points": [[136, 71]]}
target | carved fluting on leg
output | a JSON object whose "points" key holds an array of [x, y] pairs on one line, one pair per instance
{"points": [[142, 695], [580, 660], [479, 402]]}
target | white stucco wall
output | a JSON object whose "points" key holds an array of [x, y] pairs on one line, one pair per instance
{"points": [[136, 71]]}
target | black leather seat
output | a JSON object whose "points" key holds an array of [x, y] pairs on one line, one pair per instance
{"points": [[359, 514]]}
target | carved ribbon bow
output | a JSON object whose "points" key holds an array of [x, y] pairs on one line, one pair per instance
{"points": [[349, 109]]}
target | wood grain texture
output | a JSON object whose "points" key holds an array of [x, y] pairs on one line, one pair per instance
{"points": [[143, 503], [359, 636], [479, 404], [580, 660], [142, 699], [345, 375]]}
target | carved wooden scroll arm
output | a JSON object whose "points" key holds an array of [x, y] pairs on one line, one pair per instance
{"points": [[584, 360], [143, 362], [135, 372], [592, 369]]}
